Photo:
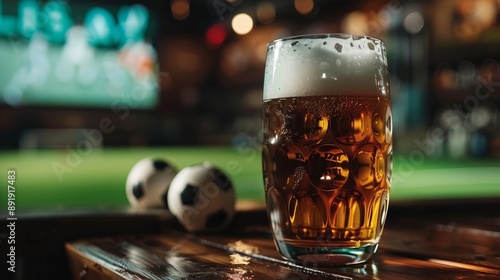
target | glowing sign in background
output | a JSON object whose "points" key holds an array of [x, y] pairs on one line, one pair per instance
{"points": [[85, 56]]}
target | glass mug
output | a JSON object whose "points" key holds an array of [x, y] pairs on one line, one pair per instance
{"points": [[327, 153]]}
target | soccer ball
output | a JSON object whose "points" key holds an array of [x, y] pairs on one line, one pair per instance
{"points": [[148, 182], [202, 198]]}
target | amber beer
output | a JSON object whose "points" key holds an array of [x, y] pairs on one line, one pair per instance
{"points": [[327, 155]]}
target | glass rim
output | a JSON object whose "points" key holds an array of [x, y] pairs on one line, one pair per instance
{"points": [[324, 36]]}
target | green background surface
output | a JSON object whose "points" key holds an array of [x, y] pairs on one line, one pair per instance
{"points": [[96, 177]]}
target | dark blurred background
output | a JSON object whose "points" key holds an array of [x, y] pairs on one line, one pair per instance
{"points": [[171, 73]]}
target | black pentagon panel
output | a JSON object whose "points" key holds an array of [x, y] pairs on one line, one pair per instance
{"points": [[189, 195], [159, 164], [216, 219], [137, 190], [221, 179]]}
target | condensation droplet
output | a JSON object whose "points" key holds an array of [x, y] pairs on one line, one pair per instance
{"points": [[338, 62], [295, 43], [324, 65], [338, 47], [371, 46]]}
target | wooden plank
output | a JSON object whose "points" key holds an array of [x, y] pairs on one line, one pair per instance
{"points": [[176, 255], [415, 245], [385, 264], [454, 243]]}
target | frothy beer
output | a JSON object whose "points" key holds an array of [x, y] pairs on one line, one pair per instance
{"points": [[327, 156]]}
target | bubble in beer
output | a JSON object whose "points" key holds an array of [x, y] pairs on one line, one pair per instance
{"points": [[347, 211], [368, 166], [351, 128], [328, 167], [382, 123], [307, 212], [291, 169]]}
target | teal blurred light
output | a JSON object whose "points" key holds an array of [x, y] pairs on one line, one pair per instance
{"points": [[133, 22], [99, 24], [57, 21]]}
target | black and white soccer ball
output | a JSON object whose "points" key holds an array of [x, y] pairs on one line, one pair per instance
{"points": [[202, 198], [148, 182]]}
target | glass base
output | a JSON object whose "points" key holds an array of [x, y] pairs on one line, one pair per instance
{"points": [[324, 256]]}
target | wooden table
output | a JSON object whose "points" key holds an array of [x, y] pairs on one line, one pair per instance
{"points": [[439, 240]]}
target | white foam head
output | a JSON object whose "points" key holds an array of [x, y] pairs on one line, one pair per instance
{"points": [[326, 65]]}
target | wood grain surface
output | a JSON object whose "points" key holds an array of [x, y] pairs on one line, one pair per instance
{"points": [[458, 241]]}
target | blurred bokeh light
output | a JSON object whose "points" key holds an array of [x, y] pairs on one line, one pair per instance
{"points": [[180, 9], [304, 6], [266, 12], [242, 24], [186, 72]]}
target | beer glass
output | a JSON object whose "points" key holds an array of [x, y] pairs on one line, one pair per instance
{"points": [[327, 147]]}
